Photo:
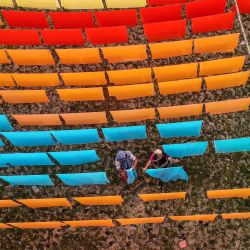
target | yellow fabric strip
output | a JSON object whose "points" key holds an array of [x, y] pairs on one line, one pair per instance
{"points": [[82, 4], [38, 4], [6, 3], [126, 3]]}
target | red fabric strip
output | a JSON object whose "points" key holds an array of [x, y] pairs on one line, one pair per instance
{"points": [[116, 18], [19, 37], [25, 19], [165, 30], [107, 35], [72, 20], [205, 8], [165, 2], [218, 22], [244, 6], [161, 13], [63, 37]]}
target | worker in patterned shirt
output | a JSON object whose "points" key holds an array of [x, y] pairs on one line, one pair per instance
{"points": [[124, 161]]}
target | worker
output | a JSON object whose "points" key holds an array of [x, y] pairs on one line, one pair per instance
{"points": [[124, 161], [160, 159]]}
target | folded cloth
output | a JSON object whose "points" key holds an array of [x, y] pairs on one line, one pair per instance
{"points": [[168, 174], [132, 175]]}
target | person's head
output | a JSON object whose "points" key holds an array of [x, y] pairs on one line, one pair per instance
{"points": [[120, 155], [158, 153]]}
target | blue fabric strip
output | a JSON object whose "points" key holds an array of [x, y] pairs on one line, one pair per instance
{"points": [[75, 157], [30, 138], [132, 175], [180, 129], [125, 133], [168, 174], [232, 145], [25, 159], [78, 179], [78, 136], [185, 149], [1, 143], [5, 124], [28, 180]]}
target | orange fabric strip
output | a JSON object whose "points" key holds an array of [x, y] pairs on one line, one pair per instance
{"points": [[84, 78], [133, 115], [141, 220], [176, 72], [203, 217], [162, 196], [38, 120], [130, 76], [52, 202], [132, 91], [228, 106], [8, 203], [6, 80], [37, 80], [100, 200], [31, 56], [221, 66], [90, 223], [180, 86], [84, 94], [24, 96], [180, 111], [224, 43], [227, 80], [229, 193], [125, 53], [85, 118], [79, 56], [171, 49]]}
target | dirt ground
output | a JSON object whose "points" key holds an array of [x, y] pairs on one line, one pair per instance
{"points": [[211, 171]]}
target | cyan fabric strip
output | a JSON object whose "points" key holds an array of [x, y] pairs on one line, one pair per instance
{"points": [[28, 180], [78, 136], [132, 175], [180, 129], [185, 149], [1, 143], [75, 157], [30, 138], [5, 124], [25, 159], [125, 133], [168, 174], [78, 179], [232, 145]]}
